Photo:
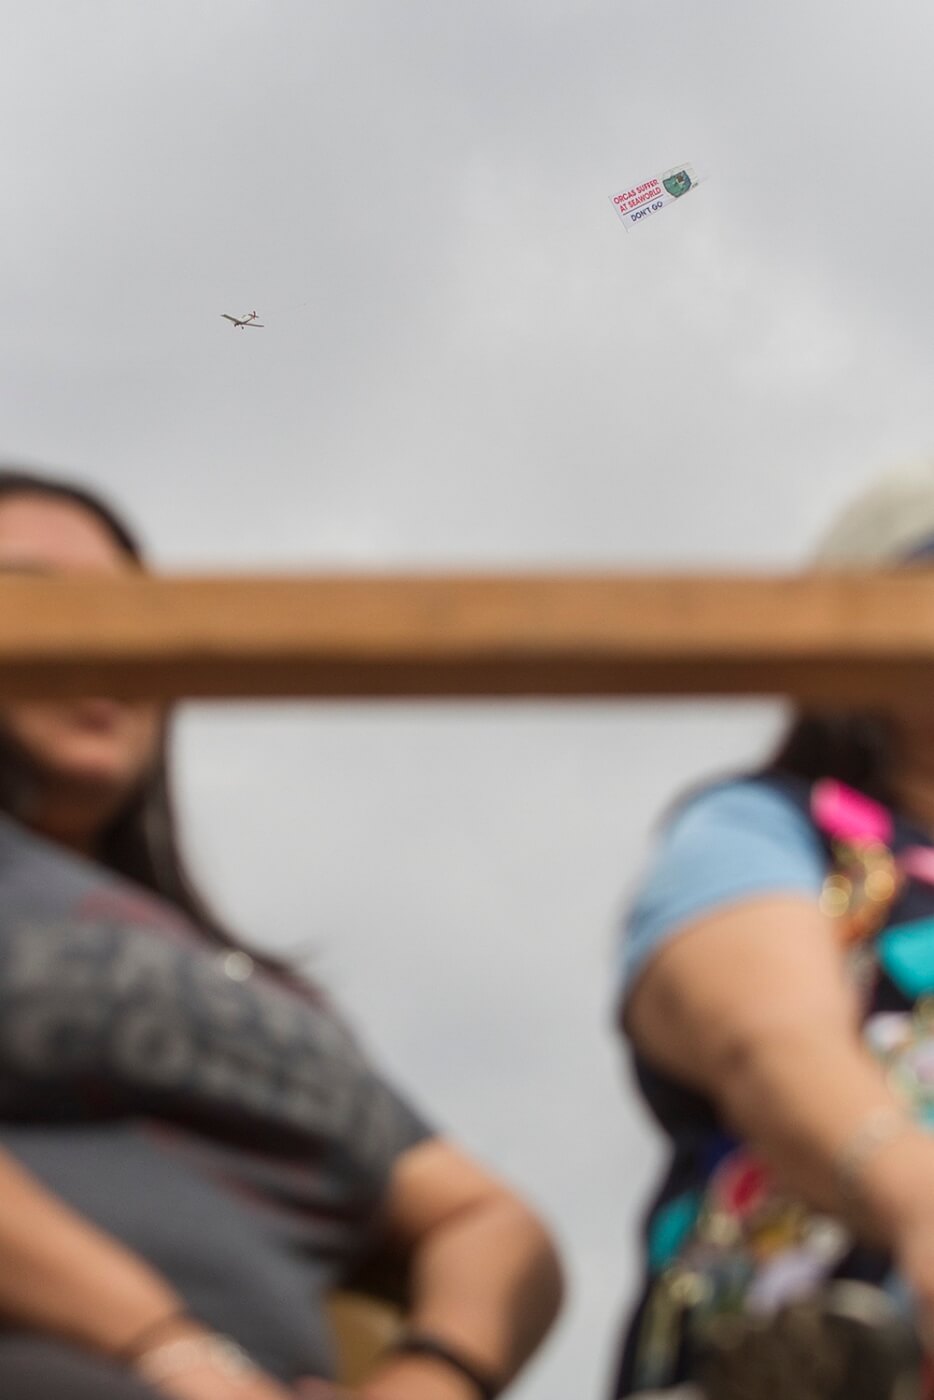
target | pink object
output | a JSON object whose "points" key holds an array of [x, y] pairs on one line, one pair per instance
{"points": [[847, 815], [918, 861]]}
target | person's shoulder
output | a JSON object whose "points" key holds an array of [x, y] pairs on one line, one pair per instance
{"points": [[733, 840], [739, 834], [757, 803]]}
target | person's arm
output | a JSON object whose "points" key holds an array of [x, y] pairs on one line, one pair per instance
{"points": [[750, 1005], [61, 1276], [485, 1277]]}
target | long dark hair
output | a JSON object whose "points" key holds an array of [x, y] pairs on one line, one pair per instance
{"points": [[141, 842], [857, 749]]}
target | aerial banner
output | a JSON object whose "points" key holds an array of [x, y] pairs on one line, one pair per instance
{"points": [[651, 197]]}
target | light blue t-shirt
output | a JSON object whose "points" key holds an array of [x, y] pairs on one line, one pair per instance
{"points": [[728, 843]]}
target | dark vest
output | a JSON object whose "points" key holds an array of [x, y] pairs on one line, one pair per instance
{"points": [[698, 1139]]}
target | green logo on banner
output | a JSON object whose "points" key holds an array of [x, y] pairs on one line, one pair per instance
{"points": [[678, 184]]}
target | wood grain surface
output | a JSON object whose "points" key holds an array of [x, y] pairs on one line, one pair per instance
{"points": [[835, 638]]}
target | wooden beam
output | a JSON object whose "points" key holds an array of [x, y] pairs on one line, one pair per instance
{"points": [[829, 638]]}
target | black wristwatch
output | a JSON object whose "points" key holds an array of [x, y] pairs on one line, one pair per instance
{"points": [[486, 1384]]}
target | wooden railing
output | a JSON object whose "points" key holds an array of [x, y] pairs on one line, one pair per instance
{"points": [[862, 638]]}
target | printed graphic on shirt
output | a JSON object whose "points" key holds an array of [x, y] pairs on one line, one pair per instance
{"points": [[109, 1015]]}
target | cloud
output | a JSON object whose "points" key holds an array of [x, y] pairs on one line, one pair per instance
{"points": [[468, 361]]}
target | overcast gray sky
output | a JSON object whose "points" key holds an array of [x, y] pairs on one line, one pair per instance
{"points": [[467, 361]]}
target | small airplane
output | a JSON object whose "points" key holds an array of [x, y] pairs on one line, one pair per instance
{"points": [[241, 321]]}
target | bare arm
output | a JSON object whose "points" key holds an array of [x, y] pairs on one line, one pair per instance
{"points": [[485, 1276], [750, 1005], [59, 1274], [62, 1276]]}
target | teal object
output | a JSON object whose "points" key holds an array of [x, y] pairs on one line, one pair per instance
{"points": [[671, 1227], [678, 184], [906, 952]]}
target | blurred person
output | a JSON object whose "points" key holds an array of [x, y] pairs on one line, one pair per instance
{"points": [[193, 1149], [777, 982]]}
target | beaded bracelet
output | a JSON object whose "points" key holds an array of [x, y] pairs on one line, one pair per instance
{"points": [[147, 1336], [166, 1359], [880, 1127]]}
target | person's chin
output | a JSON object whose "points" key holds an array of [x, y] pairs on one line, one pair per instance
{"points": [[92, 765]]}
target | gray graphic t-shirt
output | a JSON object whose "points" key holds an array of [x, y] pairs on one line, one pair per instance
{"points": [[214, 1116]]}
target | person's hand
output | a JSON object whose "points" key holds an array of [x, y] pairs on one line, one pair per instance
{"points": [[203, 1382], [411, 1377], [898, 1202], [914, 1252], [190, 1369], [422, 1387], [206, 1383]]}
